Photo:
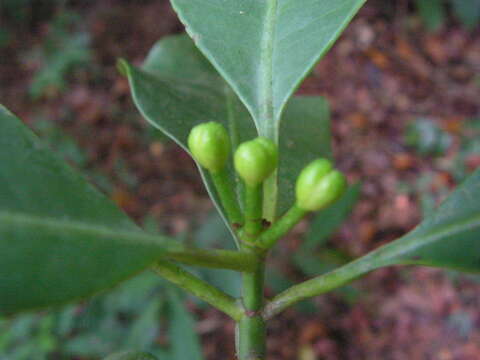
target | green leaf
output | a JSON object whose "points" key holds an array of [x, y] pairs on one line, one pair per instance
{"points": [[184, 341], [265, 48], [60, 239], [427, 138], [145, 329], [432, 13], [468, 11], [131, 355], [177, 89]]}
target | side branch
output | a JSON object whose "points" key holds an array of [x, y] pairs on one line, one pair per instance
{"points": [[199, 288], [280, 228], [320, 285], [217, 259]]}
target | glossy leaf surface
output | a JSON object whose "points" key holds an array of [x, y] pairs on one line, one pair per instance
{"points": [[264, 48], [177, 89], [60, 239]]}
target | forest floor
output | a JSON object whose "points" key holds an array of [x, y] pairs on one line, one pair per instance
{"points": [[384, 73]]}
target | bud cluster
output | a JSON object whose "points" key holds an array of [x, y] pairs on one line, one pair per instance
{"points": [[317, 186]]}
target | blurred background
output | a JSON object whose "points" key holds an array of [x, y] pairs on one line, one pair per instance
{"points": [[404, 87]]}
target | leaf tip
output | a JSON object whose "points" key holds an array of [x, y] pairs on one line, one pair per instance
{"points": [[4, 110], [123, 67]]}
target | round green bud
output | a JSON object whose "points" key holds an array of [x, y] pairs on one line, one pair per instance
{"points": [[319, 185], [255, 160], [209, 144]]}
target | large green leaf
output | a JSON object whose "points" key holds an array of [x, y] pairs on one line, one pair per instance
{"points": [[60, 239], [177, 89], [265, 47]]}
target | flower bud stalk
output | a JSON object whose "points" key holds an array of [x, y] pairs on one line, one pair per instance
{"points": [[209, 144], [280, 228], [227, 197]]}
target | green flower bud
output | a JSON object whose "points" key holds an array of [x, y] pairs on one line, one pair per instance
{"points": [[255, 160], [319, 185], [209, 144]]}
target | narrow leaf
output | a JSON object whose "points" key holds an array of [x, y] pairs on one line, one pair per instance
{"points": [[184, 340]]}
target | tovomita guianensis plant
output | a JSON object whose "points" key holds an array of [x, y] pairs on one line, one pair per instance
{"points": [[264, 157]]}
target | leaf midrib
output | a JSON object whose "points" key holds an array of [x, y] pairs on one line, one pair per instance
{"points": [[125, 236], [411, 242], [267, 122]]}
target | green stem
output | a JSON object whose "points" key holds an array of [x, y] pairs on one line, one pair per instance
{"points": [[199, 288], [252, 338], [251, 329], [253, 210], [217, 259], [270, 190], [324, 283], [253, 289], [227, 197], [270, 237]]}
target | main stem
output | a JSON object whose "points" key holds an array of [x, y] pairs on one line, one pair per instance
{"points": [[253, 210], [251, 329]]}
